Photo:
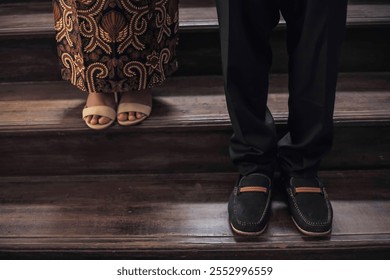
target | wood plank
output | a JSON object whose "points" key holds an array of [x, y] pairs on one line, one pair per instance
{"points": [[31, 19], [177, 215], [26, 19], [35, 59], [189, 119], [183, 102], [28, 49], [368, 14]]}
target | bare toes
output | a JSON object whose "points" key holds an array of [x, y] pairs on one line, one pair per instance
{"points": [[95, 120], [88, 119], [104, 120], [131, 116], [140, 115], [122, 117]]}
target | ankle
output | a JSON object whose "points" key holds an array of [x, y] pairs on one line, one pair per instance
{"points": [[97, 99]]}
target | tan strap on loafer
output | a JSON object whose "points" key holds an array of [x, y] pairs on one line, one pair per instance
{"points": [[253, 189], [308, 190]]}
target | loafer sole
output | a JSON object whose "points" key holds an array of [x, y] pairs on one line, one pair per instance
{"points": [[248, 233], [311, 233]]}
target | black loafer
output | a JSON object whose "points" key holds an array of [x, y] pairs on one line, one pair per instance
{"points": [[249, 204], [309, 205]]}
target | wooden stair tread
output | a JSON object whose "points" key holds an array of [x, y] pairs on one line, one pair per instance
{"points": [[183, 102], [189, 129], [180, 215], [18, 19], [172, 213], [26, 19]]}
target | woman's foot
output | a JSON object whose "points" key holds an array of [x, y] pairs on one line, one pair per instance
{"points": [[98, 111], [134, 107]]}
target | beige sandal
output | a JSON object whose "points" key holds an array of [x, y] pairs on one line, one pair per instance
{"points": [[138, 103], [103, 111]]}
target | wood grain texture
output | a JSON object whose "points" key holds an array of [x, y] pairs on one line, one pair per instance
{"points": [[181, 216], [33, 57], [41, 130], [161, 209], [183, 101], [18, 19], [27, 19]]}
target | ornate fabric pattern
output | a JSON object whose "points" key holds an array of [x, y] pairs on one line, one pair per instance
{"points": [[116, 45]]}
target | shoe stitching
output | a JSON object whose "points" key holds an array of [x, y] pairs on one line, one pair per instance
{"points": [[302, 216], [299, 211]]}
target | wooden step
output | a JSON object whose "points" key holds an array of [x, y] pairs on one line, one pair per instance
{"points": [[42, 133], [181, 216], [28, 49], [21, 19], [36, 19]]}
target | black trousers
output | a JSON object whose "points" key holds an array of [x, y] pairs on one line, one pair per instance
{"points": [[315, 31]]}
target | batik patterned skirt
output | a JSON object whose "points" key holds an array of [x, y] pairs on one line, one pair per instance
{"points": [[116, 45]]}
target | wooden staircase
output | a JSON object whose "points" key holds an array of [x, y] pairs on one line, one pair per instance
{"points": [[160, 189]]}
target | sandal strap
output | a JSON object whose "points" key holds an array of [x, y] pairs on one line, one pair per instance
{"points": [[134, 107], [103, 111]]}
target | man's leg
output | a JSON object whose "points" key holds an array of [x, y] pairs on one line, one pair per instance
{"points": [[245, 28], [315, 31]]}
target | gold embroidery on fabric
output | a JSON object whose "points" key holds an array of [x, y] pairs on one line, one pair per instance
{"points": [[116, 45], [102, 73], [141, 70], [64, 22], [162, 20], [68, 62], [137, 26], [113, 27], [164, 59], [89, 27]]}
